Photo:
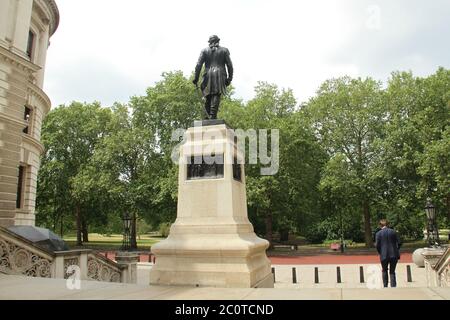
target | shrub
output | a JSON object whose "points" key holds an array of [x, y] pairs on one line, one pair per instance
{"points": [[330, 229], [164, 229]]}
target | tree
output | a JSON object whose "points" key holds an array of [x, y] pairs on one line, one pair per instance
{"points": [[70, 135], [287, 199], [354, 152], [170, 104], [413, 152], [347, 116]]}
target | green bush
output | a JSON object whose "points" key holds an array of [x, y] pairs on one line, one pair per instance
{"points": [[346, 241], [164, 229], [330, 229]]}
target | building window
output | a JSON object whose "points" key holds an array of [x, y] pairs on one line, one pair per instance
{"points": [[19, 199], [30, 44], [27, 117]]}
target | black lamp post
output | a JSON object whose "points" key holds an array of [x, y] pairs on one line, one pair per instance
{"points": [[432, 230], [126, 219]]}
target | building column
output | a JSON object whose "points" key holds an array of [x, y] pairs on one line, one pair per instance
{"points": [[10, 141], [42, 55], [4, 20], [22, 27]]}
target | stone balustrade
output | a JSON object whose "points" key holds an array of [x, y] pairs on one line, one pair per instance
{"points": [[19, 256], [437, 266]]}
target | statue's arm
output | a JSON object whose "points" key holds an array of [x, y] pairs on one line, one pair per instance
{"points": [[198, 67], [229, 66]]}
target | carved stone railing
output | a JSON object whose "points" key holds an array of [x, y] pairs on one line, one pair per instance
{"points": [[91, 266], [20, 256], [442, 268], [437, 266]]}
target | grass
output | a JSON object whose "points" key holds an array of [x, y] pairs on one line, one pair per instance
{"points": [[114, 242], [111, 242]]}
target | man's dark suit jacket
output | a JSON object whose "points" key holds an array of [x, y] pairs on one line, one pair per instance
{"points": [[388, 244]]}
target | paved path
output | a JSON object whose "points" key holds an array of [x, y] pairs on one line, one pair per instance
{"points": [[334, 259], [311, 259], [26, 288], [350, 276]]}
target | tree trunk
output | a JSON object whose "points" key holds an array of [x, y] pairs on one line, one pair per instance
{"points": [[448, 207], [55, 221], [367, 229], [133, 242], [61, 231], [78, 218], [269, 229], [84, 227]]}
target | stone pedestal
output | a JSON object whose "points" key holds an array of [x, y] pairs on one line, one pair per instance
{"points": [[212, 242], [128, 261], [431, 257], [418, 258]]}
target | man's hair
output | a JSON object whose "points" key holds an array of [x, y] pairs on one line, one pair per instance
{"points": [[384, 223]]}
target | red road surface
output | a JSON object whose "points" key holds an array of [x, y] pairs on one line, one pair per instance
{"points": [[335, 259], [312, 259]]}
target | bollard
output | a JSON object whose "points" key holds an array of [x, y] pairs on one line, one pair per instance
{"points": [[338, 273], [408, 273], [106, 254], [361, 274], [273, 272], [316, 275], [294, 275], [149, 258]]}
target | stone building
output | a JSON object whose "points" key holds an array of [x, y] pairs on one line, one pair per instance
{"points": [[25, 29]]}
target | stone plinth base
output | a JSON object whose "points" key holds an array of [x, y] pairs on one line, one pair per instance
{"points": [[218, 260], [212, 242]]}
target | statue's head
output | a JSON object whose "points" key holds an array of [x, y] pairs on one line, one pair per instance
{"points": [[213, 40]]}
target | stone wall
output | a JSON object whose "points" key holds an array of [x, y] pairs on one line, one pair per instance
{"points": [[25, 29]]}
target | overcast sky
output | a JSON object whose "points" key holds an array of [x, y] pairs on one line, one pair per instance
{"points": [[110, 50]]}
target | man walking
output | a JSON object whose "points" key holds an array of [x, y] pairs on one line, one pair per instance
{"points": [[217, 76], [388, 245]]}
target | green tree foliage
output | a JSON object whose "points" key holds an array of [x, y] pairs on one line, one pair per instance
{"points": [[286, 201], [70, 135], [413, 157], [354, 153], [347, 115]]}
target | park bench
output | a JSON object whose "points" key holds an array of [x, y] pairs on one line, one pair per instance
{"points": [[285, 247]]}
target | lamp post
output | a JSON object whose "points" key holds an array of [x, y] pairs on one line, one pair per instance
{"points": [[125, 259], [432, 230], [126, 219]]}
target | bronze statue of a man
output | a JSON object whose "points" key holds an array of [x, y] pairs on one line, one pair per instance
{"points": [[216, 78]]}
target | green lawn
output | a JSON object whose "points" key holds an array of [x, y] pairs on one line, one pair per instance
{"points": [[112, 242]]}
